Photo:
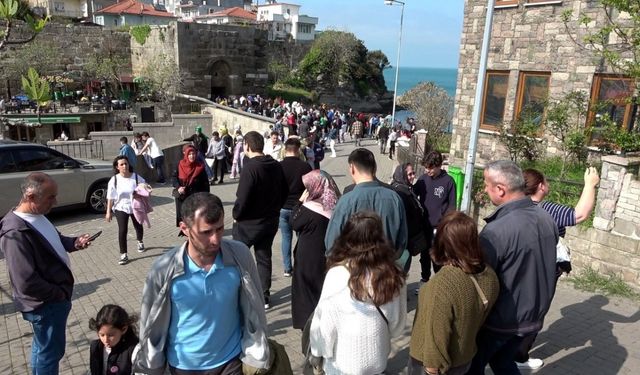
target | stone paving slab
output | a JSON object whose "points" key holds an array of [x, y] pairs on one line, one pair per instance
{"points": [[584, 333]]}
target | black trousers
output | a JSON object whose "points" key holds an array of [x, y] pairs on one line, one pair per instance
{"points": [[123, 225], [260, 237], [219, 167]]}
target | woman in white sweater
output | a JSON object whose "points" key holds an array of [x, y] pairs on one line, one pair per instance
{"points": [[363, 301]]}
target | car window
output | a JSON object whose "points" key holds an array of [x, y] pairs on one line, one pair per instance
{"points": [[7, 164], [38, 159]]}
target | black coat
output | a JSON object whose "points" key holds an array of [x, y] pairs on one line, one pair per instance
{"points": [[119, 360], [310, 263]]}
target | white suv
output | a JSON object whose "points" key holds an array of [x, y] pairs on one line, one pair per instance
{"points": [[79, 182]]}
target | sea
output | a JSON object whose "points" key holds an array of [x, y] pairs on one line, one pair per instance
{"points": [[409, 77]]}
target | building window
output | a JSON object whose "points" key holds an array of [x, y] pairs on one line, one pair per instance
{"points": [[58, 7], [611, 95], [305, 28], [494, 99], [544, 1], [506, 2], [533, 90]]}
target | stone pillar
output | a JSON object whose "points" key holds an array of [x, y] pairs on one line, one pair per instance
{"points": [[617, 171]]}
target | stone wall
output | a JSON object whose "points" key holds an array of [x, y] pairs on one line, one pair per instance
{"points": [[528, 38], [230, 117], [75, 44]]}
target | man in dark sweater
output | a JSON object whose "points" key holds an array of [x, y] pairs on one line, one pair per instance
{"points": [[437, 193], [294, 169], [261, 193], [519, 243]]}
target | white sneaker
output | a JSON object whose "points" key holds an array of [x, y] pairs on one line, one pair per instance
{"points": [[531, 364], [124, 259], [141, 248]]}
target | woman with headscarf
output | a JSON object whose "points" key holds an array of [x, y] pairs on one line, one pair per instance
{"points": [[189, 177], [310, 219], [419, 236]]}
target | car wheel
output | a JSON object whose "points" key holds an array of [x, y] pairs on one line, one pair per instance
{"points": [[97, 198]]}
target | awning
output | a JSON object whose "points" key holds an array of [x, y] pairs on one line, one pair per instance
{"points": [[52, 120]]}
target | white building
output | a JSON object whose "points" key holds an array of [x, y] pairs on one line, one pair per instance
{"points": [[189, 10], [231, 16], [283, 20]]}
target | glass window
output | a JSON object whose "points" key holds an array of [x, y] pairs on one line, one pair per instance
{"points": [[7, 165], [533, 89], [506, 2], [611, 95], [495, 97], [38, 159]]}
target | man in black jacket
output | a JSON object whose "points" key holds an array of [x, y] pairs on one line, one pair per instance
{"points": [[261, 193], [39, 269], [519, 243], [294, 169]]}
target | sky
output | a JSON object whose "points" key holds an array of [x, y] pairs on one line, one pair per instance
{"points": [[430, 33]]}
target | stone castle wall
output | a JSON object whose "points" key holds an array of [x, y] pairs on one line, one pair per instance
{"points": [[75, 44], [528, 38]]}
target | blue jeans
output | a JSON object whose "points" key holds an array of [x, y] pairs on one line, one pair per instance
{"points": [[49, 323], [498, 350], [287, 235], [158, 164]]}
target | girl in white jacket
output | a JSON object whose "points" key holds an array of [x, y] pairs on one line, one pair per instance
{"points": [[363, 302]]}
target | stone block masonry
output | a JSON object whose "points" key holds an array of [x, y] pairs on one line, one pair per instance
{"points": [[524, 39], [76, 44]]}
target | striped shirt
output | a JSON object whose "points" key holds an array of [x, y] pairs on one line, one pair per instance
{"points": [[564, 216]]}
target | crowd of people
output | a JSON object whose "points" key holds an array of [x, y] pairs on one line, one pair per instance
{"points": [[482, 301]]}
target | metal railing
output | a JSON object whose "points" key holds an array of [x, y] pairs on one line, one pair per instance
{"points": [[91, 149]]}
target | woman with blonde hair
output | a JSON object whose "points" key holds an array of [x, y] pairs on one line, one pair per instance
{"points": [[363, 302], [453, 304]]}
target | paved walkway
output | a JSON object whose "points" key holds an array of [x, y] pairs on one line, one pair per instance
{"points": [[584, 333]]}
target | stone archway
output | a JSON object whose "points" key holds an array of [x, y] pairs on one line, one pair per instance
{"points": [[220, 82]]}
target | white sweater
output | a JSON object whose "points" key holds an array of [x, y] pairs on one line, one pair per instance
{"points": [[351, 335]]}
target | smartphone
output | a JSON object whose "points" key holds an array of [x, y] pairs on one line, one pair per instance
{"points": [[95, 236]]}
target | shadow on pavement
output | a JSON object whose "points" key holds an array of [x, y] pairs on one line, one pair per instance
{"points": [[84, 289], [583, 323]]}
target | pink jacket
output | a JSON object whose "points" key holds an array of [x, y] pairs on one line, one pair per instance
{"points": [[141, 205]]}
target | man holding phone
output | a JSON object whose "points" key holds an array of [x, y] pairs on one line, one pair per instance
{"points": [[40, 270]]}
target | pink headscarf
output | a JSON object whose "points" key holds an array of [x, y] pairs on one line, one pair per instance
{"points": [[323, 192]]}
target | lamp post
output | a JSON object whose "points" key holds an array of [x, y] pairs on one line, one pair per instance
{"points": [[475, 115], [395, 85]]}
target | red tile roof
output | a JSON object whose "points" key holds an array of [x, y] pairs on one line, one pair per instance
{"points": [[136, 8], [234, 12]]}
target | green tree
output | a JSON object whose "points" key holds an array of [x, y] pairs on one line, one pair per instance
{"points": [[161, 79], [520, 137], [12, 14], [109, 63], [36, 88], [37, 55], [340, 59], [432, 106], [565, 119], [616, 40]]}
